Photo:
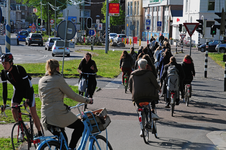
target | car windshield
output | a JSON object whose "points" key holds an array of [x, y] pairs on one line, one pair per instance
{"points": [[113, 34], [122, 36], [24, 33], [61, 43], [36, 35], [52, 40]]}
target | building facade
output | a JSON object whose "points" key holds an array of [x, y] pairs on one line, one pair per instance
{"points": [[161, 14], [198, 9]]}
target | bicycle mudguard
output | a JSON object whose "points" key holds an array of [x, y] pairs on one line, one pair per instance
{"points": [[45, 140]]}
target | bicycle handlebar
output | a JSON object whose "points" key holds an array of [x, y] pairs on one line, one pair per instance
{"points": [[88, 73]]}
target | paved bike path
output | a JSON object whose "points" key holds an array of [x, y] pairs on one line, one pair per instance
{"points": [[190, 124]]}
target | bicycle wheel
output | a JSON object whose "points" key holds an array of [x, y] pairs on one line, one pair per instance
{"points": [[101, 143], [51, 145], [145, 131], [19, 136], [186, 96], [126, 86]]}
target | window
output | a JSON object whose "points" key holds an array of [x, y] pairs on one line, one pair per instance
{"points": [[131, 8], [86, 14], [135, 9], [211, 4], [128, 9], [154, 23], [138, 7], [186, 6], [137, 28]]}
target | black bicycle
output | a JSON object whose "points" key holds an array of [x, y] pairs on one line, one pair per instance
{"points": [[126, 78], [187, 93], [147, 123], [23, 132]]}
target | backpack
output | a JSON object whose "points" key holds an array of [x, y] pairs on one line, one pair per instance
{"points": [[172, 78]]}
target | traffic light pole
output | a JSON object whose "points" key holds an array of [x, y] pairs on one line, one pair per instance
{"points": [[106, 28], [8, 28]]}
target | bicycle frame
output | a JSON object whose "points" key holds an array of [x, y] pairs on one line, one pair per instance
{"points": [[85, 135]]}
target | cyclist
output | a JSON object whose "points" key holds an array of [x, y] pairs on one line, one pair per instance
{"points": [[52, 88], [134, 55], [87, 65], [19, 78], [172, 64], [143, 84], [126, 64], [189, 70]]}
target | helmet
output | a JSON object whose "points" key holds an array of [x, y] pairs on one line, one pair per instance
{"points": [[8, 57]]}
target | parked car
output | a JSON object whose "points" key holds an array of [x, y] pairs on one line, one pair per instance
{"points": [[221, 47], [119, 38], [208, 45], [50, 42], [112, 36], [58, 48], [34, 38], [21, 35]]}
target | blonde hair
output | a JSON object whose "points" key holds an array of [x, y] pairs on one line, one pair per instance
{"points": [[51, 66]]}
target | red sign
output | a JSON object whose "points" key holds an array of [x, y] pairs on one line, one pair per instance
{"points": [[190, 27], [114, 9]]}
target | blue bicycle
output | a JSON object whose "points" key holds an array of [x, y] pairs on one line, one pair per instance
{"points": [[94, 123]]}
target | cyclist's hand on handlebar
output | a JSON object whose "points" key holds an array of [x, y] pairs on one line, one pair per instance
{"points": [[89, 101]]}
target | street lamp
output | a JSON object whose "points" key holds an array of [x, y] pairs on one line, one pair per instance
{"points": [[127, 28]]}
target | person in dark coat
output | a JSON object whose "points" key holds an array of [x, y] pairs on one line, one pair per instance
{"points": [[126, 64], [140, 50], [164, 78], [161, 38], [189, 70]]}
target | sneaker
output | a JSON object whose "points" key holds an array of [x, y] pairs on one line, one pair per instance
{"points": [[141, 135], [154, 116]]}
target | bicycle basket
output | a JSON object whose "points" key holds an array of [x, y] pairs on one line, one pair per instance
{"points": [[99, 120]]}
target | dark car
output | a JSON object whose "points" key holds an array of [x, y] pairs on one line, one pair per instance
{"points": [[50, 42], [208, 45], [21, 36], [34, 38]]}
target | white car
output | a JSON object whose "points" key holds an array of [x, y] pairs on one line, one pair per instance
{"points": [[112, 36], [58, 48], [119, 38]]}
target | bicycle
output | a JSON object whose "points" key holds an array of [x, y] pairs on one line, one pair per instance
{"points": [[187, 93], [87, 84], [126, 78], [23, 132], [93, 126], [147, 123]]}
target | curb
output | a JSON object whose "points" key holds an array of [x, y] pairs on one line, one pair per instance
{"points": [[217, 137]]}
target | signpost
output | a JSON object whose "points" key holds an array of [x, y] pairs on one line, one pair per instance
{"points": [[159, 25], [113, 9], [190, 27]]}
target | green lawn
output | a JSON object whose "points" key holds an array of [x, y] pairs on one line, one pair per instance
{"points": [[218, 58]]}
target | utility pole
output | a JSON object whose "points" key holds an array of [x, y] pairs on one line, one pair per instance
{"points": [[55, 20], [106, 29]]}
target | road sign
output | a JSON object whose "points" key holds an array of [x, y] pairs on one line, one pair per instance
{"points": [[158, 28], [33, 30], [100, 26], [159, 23], [35, 10], [91, 32], [51, 21], [73, 19], [182, 36], [148, 22], [190, 27], [33, 25], [147, 27], [70, 31]]}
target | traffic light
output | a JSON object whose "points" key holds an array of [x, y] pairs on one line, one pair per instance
{"points": [[43, 22], [3, 20], [213, 30], [200, 26], [180, 27], [89, 23], [221, 21], [39, 22]]}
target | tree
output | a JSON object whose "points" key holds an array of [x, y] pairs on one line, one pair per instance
{"points": [[114, 20]]}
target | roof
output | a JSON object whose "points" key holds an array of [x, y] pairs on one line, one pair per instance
{"points": [[177, 13]]}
